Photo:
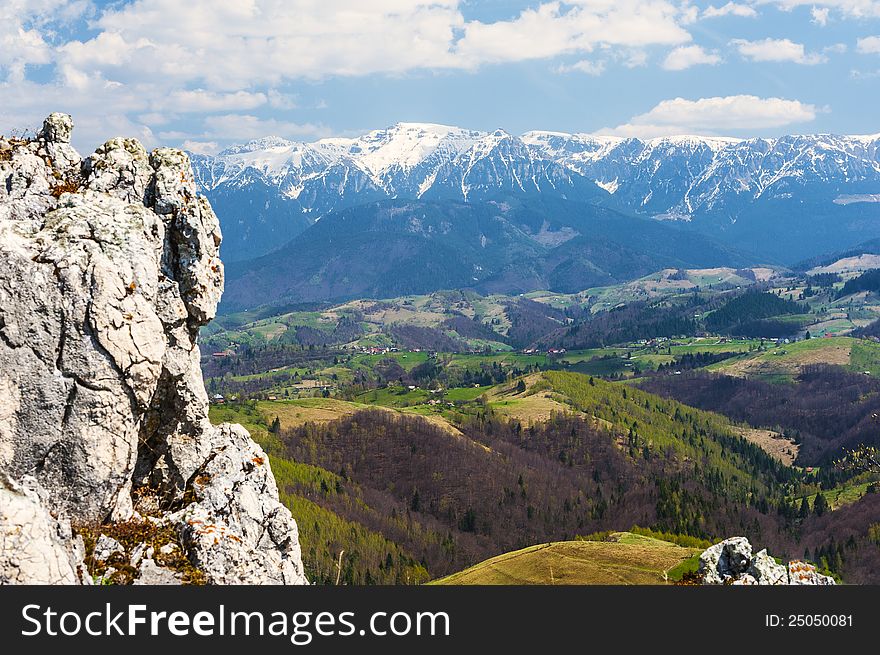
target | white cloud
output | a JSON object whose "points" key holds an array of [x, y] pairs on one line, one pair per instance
{"points": [[201, 147], [776, 50], [633, 58], [280, 100], [246, 126], [583, 66], [820, 15], [864, 75], [870, 45], [554, 29], [201, 101], [845, 8], [154, 118], [100, 109], [713, 115], [155, 62], [22, 39], [730, 9], [686, 56], [689, 14], [228, 46]]}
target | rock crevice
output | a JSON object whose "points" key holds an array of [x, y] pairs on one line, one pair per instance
{"points": [[110, 266]]}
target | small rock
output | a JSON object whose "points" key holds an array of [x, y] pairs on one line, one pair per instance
{"points": [[108, 574], [803, 573], [57, 128], [726, 560], [765, 569], [105, 547], [152, 574], [167, 549], [137, 554], [731, 562]]}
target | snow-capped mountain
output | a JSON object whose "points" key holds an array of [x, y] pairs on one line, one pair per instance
{"points": [[677, 177], [266, 191]]}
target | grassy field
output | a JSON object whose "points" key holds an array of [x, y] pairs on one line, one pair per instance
{"points": [[865, 357], [502, 359], [407, 360], [292, 413], [841, 496], [535, 408], [627, 360], [783, 449], [785, 362], [629, 560]]}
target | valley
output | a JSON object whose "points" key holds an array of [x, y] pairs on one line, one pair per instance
{"points": [[491, 356], [424, 434]]}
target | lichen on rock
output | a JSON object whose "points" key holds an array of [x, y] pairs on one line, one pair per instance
{"points": [[110, 266]]}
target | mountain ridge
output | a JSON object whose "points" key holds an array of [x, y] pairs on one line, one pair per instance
{"points": [[397, 247], [269, 190]]}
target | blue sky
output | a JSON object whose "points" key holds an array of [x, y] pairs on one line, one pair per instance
{"points": [[204, 74]]}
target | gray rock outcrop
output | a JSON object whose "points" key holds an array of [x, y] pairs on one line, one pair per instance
{"points": [[732, 562], [108, 269], [36, 547]]}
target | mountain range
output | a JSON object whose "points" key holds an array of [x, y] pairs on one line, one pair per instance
{"points": [[775, 201]]}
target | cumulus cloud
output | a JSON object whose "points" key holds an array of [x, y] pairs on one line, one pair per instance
{"points": [[213, 71], [553, 29], [22, 41], [583, 66], [245, 127], [820, 15], [713, 115], [777, 50], [226, 46], [730, 9], [201, 147], [870, 45], [201, 101], [203, 57], [686, 56]]}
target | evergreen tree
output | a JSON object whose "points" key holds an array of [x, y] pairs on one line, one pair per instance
{"points": [[416, 503], [805, 508]]}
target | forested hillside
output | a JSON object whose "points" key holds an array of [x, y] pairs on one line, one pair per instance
{"points": [[449, 495], [747, 315]]}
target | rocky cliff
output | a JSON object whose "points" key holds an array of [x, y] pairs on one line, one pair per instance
{"points": [[108, 269]]}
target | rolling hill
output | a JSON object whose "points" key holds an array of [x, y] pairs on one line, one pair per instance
{"points": [[624, 558]]}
